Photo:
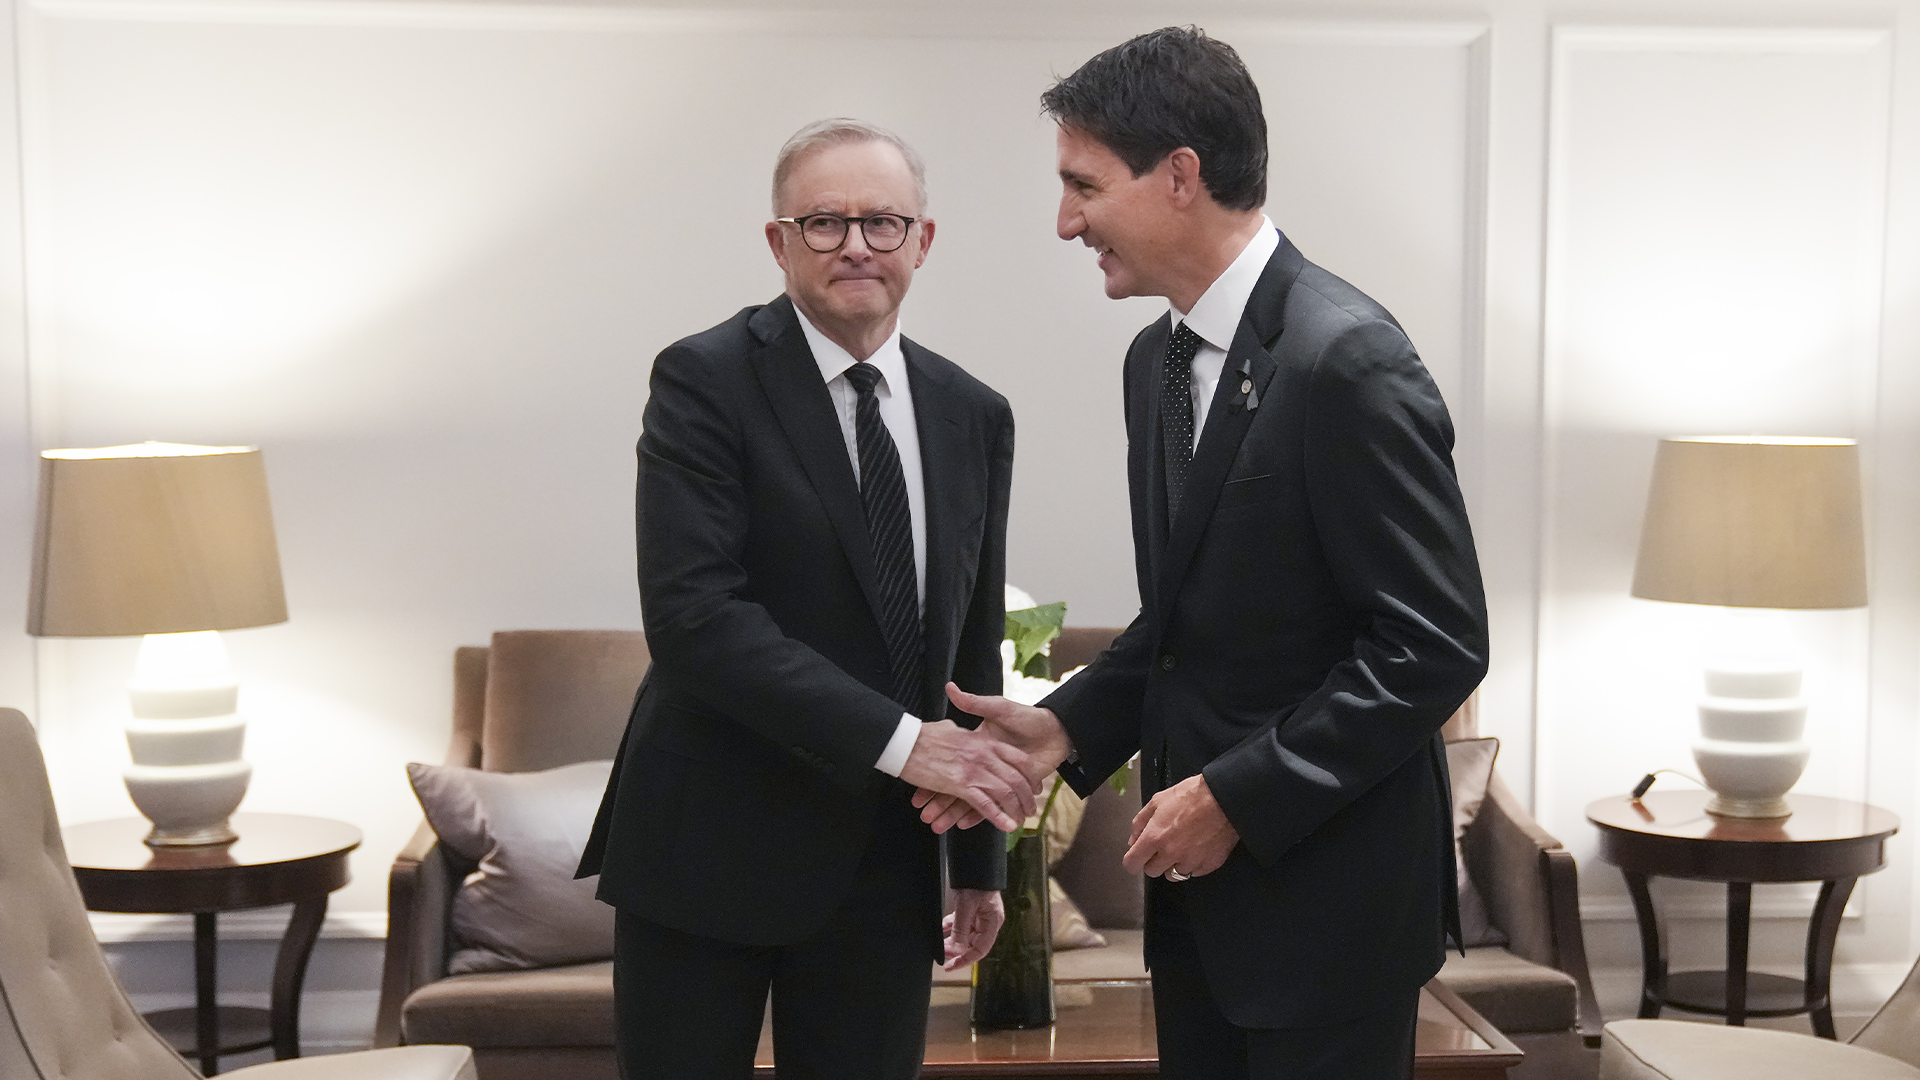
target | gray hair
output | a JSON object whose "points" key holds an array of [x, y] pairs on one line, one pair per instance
{"points": [[840, 131]]}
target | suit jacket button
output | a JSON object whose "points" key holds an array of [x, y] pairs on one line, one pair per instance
{"points": [[1167, 662]]}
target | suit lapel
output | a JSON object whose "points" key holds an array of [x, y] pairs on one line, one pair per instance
{"points": [[791, 379], [1236, 400], [943, 433], [1146, 392]]}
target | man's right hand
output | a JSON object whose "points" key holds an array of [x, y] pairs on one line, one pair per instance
{"points": [[984, 776], [1036, 733]]}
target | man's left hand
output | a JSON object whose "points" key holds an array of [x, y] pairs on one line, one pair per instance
{"points": [[1181, 829], [975, 922]]}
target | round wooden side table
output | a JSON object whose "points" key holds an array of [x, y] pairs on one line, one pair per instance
{"points": [[278, 859], [1670, 834]]}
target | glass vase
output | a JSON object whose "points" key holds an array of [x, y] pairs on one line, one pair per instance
{"points": [[1013, 983]]}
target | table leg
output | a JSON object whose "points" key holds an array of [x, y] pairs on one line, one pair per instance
{"points": [[206, 1013], [1739, 925], [1821, 932], [290, 973], [1653, 968]]}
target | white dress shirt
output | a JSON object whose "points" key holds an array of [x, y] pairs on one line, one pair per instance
{"points": [[895, 397], [1216, 317]]}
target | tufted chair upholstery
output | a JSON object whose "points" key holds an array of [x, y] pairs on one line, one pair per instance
{"points": [[62, 1014], [1887, 1048]]}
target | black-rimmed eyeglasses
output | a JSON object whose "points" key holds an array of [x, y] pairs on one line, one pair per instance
{"points": [[826, 232]]}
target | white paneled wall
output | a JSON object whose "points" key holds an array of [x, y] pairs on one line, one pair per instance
{"points": [[423, 253]]}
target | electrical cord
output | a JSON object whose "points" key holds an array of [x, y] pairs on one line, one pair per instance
{"points": [[1646, 781]]}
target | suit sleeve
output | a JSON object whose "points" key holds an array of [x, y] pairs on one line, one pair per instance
{"points": [[692, 520], [977, 857], [1390, 519], [1100, 708]]}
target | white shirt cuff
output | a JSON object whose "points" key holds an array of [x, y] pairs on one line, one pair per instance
{"points": [[894, 757]]}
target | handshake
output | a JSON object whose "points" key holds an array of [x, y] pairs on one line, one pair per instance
{"points": [[993, 773]]}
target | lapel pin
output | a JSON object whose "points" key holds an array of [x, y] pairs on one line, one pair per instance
{"points": [[1246, 386]]}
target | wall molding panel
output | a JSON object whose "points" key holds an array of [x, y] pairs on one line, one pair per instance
{"points": [[1713, 264]]}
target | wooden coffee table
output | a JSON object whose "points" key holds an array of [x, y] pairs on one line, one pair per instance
{"points": [[1106, 1029]]}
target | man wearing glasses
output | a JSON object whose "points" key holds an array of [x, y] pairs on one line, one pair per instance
{"points": [[822, 517]]}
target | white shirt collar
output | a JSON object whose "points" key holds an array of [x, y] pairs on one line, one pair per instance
{"points": [[1216, 315], [834, 360]]}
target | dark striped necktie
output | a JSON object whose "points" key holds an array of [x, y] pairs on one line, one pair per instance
{"points": [[883, 488], [1176, 413]]}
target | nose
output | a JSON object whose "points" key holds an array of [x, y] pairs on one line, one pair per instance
{"points": [[1070, 223], [855, 245]]}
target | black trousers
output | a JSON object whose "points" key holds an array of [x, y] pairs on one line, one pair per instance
{"points": [[1198, 1042], [849, 1003]]}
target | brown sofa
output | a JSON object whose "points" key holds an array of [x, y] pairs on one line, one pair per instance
{"points": [[559, 1021]]}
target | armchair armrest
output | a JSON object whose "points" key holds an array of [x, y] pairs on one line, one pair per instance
{"points": [[420, 891], [1531, 887]]}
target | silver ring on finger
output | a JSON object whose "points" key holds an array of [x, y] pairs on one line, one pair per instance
{"points": [[1175, 874]]}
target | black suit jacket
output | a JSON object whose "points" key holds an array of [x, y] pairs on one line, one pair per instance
{"points": [[744, 793], [1307, 625]]}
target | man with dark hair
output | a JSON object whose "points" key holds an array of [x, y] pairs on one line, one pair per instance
{"points": [[822, 537], [1311, 603]]}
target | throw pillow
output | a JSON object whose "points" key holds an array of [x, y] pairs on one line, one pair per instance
{"points": [[1069, 924], [1470, 767], [1070, 929], [522, 908]]}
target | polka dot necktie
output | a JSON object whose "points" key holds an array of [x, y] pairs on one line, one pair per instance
{"points": [[883, 488], [1176, 413]]}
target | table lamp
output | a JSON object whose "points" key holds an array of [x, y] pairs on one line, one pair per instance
{"points": [[175, 543], [1753, 523]]}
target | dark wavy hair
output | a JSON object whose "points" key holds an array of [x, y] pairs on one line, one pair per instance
{"points": [[1145, 98]]}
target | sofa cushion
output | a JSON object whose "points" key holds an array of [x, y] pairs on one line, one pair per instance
{"points": [[1069, 928], [522, 908], [561, 1006], [1687, 1050], [1120, 959], [1513, 994]]}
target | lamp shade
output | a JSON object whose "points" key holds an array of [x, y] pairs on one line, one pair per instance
{"points": [[1754, 522], [154, 538]]}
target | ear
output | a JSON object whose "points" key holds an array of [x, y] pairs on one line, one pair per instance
{"points": [[926, 242], [1183, 173], [777, 240]]}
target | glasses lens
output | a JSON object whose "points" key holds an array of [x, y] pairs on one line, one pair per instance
{"points": [[824, 232], [885, 232]]}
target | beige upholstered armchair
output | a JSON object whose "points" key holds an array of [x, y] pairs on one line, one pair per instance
{"points": [[1536, 988], [1886, 1048], [62, 1014], [534, 699]]}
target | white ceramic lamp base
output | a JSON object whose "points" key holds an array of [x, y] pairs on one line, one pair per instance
{"points": [[187, 776], [1750, 750]]}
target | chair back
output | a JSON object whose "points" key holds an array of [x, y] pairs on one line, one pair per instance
{"points": [[1895, 1029], [62, 1014], [557, 697]]}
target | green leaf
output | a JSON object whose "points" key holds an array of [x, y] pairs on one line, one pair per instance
{"points": [[1122, 777], [1030, 630]]}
